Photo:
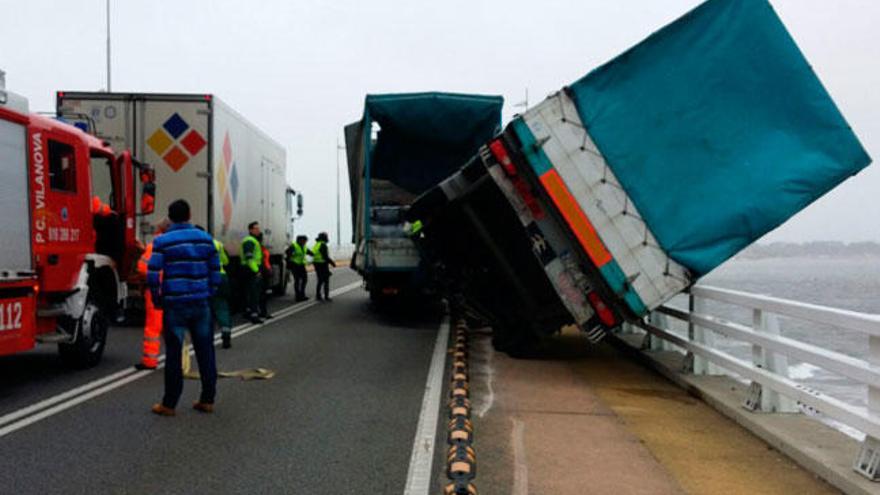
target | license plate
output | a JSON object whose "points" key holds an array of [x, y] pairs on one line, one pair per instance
{"points": [[13, 313]]}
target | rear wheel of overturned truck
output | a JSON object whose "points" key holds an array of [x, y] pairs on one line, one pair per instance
{"points": [[517, 341], [90, 337]]}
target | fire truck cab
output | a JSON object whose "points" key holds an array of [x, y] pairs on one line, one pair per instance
{"points": [[68, 246]]}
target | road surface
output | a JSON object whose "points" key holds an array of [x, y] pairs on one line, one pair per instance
{"points": [[339, 417]]}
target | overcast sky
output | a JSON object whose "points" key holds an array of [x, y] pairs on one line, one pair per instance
{"points": [[300, 69]]}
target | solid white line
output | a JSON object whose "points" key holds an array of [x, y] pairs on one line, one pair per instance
{"points": [[8, 418], [418, 479], [67, 405], [12, 422], [520, 467]]}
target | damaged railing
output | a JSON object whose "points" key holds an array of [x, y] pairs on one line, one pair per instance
{"points": [[772, 389]]}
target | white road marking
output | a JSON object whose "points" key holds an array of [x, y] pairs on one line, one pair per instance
{"points": [[418, 478], [29, 415], [483, 370], [8, 418], [520, 467]]}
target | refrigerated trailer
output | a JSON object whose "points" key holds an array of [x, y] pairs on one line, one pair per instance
{"points": [[647, 173], [202, 150]]}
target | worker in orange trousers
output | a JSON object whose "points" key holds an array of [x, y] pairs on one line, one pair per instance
{"points": [[152, 314]]}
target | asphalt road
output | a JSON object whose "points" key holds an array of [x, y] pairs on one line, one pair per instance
{"points": [[339, 417]]}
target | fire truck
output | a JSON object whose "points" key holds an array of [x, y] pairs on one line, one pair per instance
{"points": [[68, 244]]}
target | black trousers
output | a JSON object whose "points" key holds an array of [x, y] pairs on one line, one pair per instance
{"points": [[322, 270], [265, 285], [253, 285], [300, 279]]}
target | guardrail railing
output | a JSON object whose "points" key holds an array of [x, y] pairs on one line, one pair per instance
{"points": [[771, 388]]}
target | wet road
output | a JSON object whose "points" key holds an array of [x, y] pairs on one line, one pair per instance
{"points": [[339, 416]]}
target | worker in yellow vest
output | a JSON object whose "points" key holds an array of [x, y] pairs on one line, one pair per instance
{"points": [[296, 263], [322, 262], [252, 263], [220, 301]]}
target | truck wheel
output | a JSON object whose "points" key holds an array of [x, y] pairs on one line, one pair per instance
{"points": [[516, 343], [280, 288], [88, 348]]}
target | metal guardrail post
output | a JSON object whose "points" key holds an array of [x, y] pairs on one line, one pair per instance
{"points": [[628, 328], [868, 461], [652, 343], [699, 365], [760, 398]]}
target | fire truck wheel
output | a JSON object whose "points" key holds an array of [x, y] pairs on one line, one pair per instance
{"points": [[88, 348]]}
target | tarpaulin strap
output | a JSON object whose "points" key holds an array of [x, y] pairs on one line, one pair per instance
{"points": [[244, 374]]}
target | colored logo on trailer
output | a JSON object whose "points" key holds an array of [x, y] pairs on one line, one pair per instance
{"points": [[227, 181], [176, 142]]}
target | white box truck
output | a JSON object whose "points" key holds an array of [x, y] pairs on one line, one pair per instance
{"points": [[229, 171]]}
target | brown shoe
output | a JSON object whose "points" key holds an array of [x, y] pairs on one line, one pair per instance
{"points": [[161, 410], [205, 407]]}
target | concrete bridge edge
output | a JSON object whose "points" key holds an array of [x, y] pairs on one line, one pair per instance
{"points": [[815, 446]]}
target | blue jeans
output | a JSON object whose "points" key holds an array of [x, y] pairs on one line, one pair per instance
{"points": [[194, 316]]}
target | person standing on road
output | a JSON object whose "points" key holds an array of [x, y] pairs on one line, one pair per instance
{"points": [[152, 314], [296, 256], [220, 302], [252, 262], [266, 276], [183, 275], [321, 260]]}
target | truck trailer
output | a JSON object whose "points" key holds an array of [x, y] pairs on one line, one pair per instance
{"points": [[633, 182], [403, 145], [229, 171], [68, 242]]}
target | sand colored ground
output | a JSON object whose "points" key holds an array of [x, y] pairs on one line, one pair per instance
{"points": [[585, 419]]}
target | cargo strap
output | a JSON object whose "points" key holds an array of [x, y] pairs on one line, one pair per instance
{"points": [[245, 374]]}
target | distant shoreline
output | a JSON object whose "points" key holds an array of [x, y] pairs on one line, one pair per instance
{"points": [[815, 249]]}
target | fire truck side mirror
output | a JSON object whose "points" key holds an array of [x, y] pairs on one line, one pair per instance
{"points": [[299, 205]]}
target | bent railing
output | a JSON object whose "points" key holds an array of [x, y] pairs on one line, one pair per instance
{"points": [[771, 388]]}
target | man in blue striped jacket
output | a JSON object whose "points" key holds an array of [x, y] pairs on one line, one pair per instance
{"points": [[183, 273]]}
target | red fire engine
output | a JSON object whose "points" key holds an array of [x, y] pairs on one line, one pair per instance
{"points": [[68, 246]]}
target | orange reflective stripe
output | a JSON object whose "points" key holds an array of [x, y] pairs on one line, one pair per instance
{"points": [[152, 326], [144, 260], [581, 226]]}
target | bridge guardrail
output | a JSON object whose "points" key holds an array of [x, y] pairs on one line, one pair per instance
{"points": [[771, 388]]}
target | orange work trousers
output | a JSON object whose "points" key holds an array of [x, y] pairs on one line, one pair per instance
{"points": [[152, 332]]}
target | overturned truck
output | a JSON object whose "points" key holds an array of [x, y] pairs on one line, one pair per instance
{"points": [[404, 145], [621, 190]]}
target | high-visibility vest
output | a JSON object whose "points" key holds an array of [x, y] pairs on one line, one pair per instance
{"points": [[317, 257], [221, 253], [255, 258], [144, 260], [298, 254], [267, 263]]}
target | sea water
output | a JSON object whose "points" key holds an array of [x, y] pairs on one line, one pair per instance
{"points": [[845, 283]]}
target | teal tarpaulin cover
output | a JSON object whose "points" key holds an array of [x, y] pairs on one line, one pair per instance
{"points": [[424, 137], [718, 130]]}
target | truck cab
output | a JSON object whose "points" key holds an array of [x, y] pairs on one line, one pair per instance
{"points": [[70, 241]]}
